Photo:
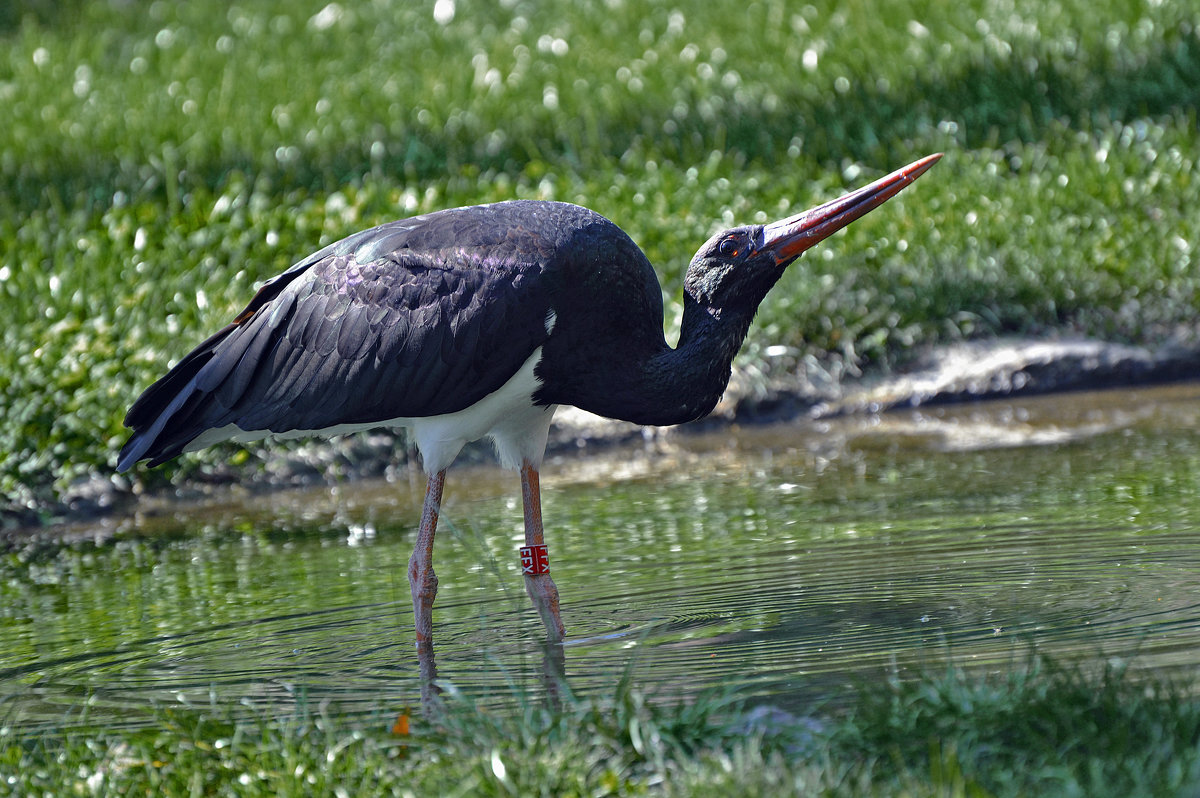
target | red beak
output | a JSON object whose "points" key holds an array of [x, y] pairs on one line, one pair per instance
{"points": [[789, 237]]}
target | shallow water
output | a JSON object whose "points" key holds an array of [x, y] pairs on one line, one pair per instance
{"points": [[791, 561]]}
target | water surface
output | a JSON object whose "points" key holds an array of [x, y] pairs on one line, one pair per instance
{"points": [[791, 561]]}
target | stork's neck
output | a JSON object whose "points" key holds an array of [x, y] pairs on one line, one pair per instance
{"points": [[602, 367], [702, 361], [683, 384]]}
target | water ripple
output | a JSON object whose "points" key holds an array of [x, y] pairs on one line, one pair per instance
{"points": [[883, 556]]}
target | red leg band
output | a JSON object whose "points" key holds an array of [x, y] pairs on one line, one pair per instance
{"points": [[535, 560]]}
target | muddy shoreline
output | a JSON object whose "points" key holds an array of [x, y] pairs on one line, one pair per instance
{"points": [[965, 372]]}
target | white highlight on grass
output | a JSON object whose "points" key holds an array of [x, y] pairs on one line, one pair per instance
{"points": [[443, 12]]}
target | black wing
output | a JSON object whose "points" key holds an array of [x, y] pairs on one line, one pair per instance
{"points": [[414, 318]]}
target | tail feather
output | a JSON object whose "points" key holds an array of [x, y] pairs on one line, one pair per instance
{"points": [[161, 403], [145, 443]]}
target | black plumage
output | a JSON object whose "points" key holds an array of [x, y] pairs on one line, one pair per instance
{"points": [[419, 317], [426, 316]]}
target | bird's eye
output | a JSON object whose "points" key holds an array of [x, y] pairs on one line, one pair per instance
{"points": [[729, 248]]}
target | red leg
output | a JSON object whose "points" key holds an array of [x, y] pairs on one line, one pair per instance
{"points": [[541, 587], [424, 583]]}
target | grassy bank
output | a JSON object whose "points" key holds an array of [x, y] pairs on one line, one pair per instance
{"points": [[160, 159], [1043, 730]]}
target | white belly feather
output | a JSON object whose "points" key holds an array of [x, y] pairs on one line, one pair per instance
{"points": [[508, 416]]}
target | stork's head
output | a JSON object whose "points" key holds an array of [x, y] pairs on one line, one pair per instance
{"points": [[736, 268]]}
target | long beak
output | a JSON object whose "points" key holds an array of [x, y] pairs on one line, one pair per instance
{"points": [[789, 237]]}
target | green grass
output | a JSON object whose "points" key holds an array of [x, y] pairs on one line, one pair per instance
{"points": [[1042, 730], [159, 159]]}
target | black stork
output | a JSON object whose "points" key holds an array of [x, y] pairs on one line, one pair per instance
{"points": [[477, 323]]}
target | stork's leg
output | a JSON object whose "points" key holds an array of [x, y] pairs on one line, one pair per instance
{"points": [[424, 583], [540, 586]]}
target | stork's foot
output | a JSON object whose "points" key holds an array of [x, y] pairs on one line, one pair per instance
{"points": [[424, 584], [554, 674], [534, 562], [431, 694], [544, 592]]}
